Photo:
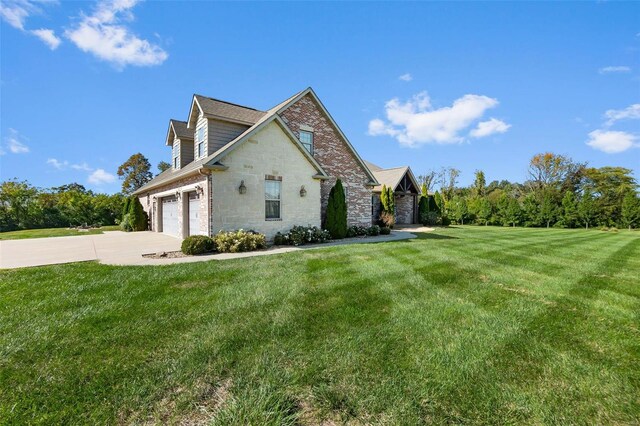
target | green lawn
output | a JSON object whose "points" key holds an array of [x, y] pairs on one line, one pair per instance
{"points": [[468, 325], [53, 232]]}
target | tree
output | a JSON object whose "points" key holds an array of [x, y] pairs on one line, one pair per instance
{"points": [[439, 203], [336, 218], [387, 200], [548, 208], [530, 210], [479, 184], [459, 209], [423, 210], [586, 208], [631, 209], [609, 185], [135, 172], [424, 190], [18, 206], [163, 166], [448, 177], [485, 210], [137, 216], [569, 210], [549, 169], [427, 180], [513, 212]]}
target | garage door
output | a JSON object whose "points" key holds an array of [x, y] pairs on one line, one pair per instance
{"points": [[194, 214], [170, 216]]}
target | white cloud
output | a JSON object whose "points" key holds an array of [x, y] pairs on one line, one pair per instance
{"points": [[406, 77], [104, 35], [486, 128], [60, 165], [48, 37], [632, 112], [416, 122], [99, 177], [614, 69], [611, 142], [15, 143], [81, 166], [16, 12]]}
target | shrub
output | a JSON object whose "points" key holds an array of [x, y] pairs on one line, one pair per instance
{"points": [[373, 230], [423, 210], [387, 219], [356, 231], [613, 229], [336, 219], [125, 224], [432, 219], [137, 216], [239, 241], [126, 206], [604, 228], [300, 235], [197, 244], [385, 230]]}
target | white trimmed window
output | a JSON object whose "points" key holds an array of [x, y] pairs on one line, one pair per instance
{"points": [[272, 193], [306, 139], [200, 142], [175, 163]]}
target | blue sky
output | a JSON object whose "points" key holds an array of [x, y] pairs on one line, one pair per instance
{"points": [[470, 85]]}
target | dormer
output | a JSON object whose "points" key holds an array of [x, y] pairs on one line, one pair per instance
{"points": [[215, 123], [180, 139]]}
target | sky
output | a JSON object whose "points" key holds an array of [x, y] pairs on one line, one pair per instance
{"points": [[84, 85]]}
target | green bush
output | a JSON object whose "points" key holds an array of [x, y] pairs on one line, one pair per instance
{"points": [[373, 231], [385, 230], [239, 241], [604, 228], [137, 216], [423, 210], [300, 235], [197, 244], [432, 218], [336, 219], [126, 206], [356, 231], [125, 224]]}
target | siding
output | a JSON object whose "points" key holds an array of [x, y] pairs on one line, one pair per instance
{"points": [[202, 122], [186, 151], [221, 133], [175, 152]]}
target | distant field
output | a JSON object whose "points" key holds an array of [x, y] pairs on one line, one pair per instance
{"points": [[467, 325], [52, 232]]}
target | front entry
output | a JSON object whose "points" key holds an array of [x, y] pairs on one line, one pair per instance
{"points": [[194, 214]]}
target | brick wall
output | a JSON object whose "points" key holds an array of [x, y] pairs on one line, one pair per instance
{"points": [[335, 157]]}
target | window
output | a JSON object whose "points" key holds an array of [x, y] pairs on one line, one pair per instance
{"points": [[306, 139], [200, 141], [175, 162], [272, 199]]}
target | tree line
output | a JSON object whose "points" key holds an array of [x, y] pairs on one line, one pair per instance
{"points": [[559, 192]]}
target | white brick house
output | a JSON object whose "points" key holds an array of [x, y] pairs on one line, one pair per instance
{"points": [[237, 167]]}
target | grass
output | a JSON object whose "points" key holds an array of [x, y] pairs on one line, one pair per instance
{"points": [[53, 232], [467, 325]]}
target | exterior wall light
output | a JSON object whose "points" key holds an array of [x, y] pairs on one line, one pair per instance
{"points": [[177, 194], [303, 192], [242, 189], [199, 190]]}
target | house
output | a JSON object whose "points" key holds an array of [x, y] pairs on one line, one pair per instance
{"points": [[237, 167], [405, 191]]}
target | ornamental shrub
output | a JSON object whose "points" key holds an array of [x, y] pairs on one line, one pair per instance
{"points": [[197, 244], [125, 224], [356, 231], [239, 241], [137, 216], [387, 219], [336, 219], [373, 231], [125, 207], [385, 230], [423, 210], [300, 235]]}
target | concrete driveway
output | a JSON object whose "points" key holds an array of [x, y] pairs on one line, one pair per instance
{"points": [[114, 247]]}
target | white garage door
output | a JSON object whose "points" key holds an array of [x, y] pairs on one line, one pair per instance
{"points": [[194, 214], [170, 216]]}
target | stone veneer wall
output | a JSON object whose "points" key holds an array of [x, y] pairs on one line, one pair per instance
{"points": [[151, 206], [404, 209], [335, 157]]}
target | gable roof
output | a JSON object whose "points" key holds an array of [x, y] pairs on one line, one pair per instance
{"points": [[392, 177], [221, 110], [212, 162], [374, 168], [179, 130], [309, 91]]}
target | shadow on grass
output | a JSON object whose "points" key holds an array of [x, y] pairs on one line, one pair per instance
{"points": [[433, 236]]}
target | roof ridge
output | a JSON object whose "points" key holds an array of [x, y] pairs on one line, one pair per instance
{"points": [[393, 168], [228, 103]]}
